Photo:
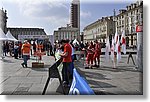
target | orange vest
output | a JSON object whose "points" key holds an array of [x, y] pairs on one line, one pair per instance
{"points": [[26, 49]]}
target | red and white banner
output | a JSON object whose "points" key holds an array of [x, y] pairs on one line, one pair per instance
{"points": [[118, 51], [139, 28], [123, 42]]}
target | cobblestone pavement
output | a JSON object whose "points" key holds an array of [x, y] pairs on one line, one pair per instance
{"points": [[124, 80], [15, 80]]}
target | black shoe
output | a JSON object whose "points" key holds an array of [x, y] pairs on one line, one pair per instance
{"points": [[95, 65], [22, 65], [65, 84], [26, 65], [86, 67]]}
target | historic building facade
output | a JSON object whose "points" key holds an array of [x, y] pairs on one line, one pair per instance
{"points": [[99, 30], [66, 33], [128, 19], [3, 20], [28, 33]]}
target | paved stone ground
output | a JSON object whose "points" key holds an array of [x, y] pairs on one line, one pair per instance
{"points": [[124, 80], [17, 80]]}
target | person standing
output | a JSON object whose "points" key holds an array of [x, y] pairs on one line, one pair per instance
{"points": [[40, 49], [89, 57], [26, 53], [66, 55], [34, 47], [19, 50], [16, 49], [97, 54]]}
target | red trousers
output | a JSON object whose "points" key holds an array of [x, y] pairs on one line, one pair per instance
{"points": [[96, 56], [89, 58]]}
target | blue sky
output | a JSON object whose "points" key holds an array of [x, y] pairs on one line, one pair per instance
{"points": [[51, 14]]}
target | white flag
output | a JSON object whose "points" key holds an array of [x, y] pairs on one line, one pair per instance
{"points": [[112, 49], [116, 40], [107, 49], [123, 42]]}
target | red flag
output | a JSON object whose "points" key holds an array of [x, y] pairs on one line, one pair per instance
{"points": [[123, 42], [118, 51]]}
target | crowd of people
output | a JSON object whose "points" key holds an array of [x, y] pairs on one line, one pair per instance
{"points": [[67, 51], [18, 49]]}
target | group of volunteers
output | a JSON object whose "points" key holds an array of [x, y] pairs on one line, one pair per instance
{"points": [[93, 54]]}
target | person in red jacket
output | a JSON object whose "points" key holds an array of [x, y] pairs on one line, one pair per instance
{"points": [[97, 53], [66, 55], [90, 53]]}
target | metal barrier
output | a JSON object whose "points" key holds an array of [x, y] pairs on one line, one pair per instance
{"points": [[53, 73]]}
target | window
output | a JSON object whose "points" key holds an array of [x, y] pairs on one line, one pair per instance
{"points": [[122, 21]]}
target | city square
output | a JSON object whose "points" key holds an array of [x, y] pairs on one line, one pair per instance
{"points": [[41, 56]]}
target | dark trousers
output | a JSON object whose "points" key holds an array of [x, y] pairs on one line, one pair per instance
{"points": [[130, 56], [71, 67], [16, 53], [65, 70], [25, 59]]}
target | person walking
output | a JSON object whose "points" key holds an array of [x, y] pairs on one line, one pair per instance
{"points": [[26, 53], [66, 55], [130, 56]]}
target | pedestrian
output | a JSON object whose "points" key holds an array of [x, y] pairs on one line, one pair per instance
{"points": [[55, 46], [115, 60], [66, 55], [89, 57], [19, 50], [97, 53], [71, 67], [11, 48], [4, 49], [16, 49], [34, 47], [26, 53], [51, 49], [40, 49], [130, 56]]}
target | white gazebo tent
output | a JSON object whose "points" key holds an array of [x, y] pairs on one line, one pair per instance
{"points": [[10, 37], [3, 37], [75, 41]]}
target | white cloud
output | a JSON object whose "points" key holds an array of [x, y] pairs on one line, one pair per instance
{"points": [[49, 14], [85, 14]]}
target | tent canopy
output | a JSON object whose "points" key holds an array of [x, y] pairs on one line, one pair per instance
{"points": [[10, 37], [75, 41], [2, 35]]}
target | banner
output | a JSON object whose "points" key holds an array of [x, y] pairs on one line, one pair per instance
{"points": [[107, 49], [79, 85]]}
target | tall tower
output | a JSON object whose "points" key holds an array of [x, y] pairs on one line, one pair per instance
{"points": [[75, 14]]}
